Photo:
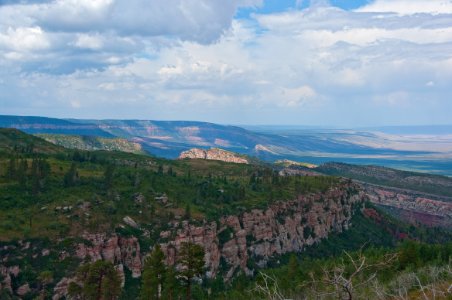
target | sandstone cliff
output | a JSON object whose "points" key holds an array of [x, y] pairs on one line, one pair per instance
{"points": [[213, 154], [121, 251], [250, 240], [412, 206], [234, 243], [116, 249]]}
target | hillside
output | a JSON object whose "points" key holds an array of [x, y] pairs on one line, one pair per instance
{"points": [[417, 198], [59, 211], [427, 183], [50, 125], [15, 141], [91, 143], [169, 138]]}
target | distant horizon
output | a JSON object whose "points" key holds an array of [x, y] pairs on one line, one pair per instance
{"points": [[282, 126]]}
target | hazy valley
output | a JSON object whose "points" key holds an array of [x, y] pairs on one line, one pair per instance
{"points": [[427, 151]]}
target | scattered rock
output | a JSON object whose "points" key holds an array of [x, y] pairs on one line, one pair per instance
{"points": [[6, 276], [85, 206], [60, 290], [23, 290], [139, 198], [122, 276], [162, 199], [131, 222]]}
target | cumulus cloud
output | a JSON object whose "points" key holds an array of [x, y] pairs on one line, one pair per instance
{"points": [[190, 59], [406, 7], [197, 20]]}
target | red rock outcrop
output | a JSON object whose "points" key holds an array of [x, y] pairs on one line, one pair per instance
{"points": [[213, 154], [60, 290], [412, 206], [6, 274], [120, 251], [116, 249], [259, 235]]}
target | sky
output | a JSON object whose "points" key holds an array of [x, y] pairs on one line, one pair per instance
{"points": [[338, 63]]}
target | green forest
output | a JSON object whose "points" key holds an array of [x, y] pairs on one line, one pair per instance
{"points": [[50, 196]]}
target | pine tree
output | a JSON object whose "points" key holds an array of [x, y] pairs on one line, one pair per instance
{"points": [[171, 285], [70, 178], [170, 171], [192, 263], [22, 173], [99, 281], [160, 170], [108, 176], [11, 170], [187, 214], [153, 275]]}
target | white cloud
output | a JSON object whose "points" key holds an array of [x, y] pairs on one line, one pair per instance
{"points": [[24, 39], [86, 41], [297, 96], [322, 63], [198, 20], [406, 7]]}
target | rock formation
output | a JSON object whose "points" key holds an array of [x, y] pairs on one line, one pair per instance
{"points": [[213, 154], [121, 251], [253, 238], [6, 277], [116, 249], [233, 243], [412, 206]]}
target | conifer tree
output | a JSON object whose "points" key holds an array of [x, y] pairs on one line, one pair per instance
{"points": [[153, 275], [70, 178], [192, 263], [99, 281]]}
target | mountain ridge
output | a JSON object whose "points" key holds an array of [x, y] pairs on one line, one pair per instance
{"points": [[169, 138]]}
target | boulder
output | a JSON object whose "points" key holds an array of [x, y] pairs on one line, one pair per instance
{"points": [[131, 222]]}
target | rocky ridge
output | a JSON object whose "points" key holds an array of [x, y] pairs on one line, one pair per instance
{"points": [[251, 239], [213, 154], [114, 248], [412, 206], [121, 251], [234, 243]]}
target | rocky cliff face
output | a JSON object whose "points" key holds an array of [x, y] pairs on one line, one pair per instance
{"points": [[213, 154], [234, 243], [116, 249], [120, 251], [250, 240], [413, 206]]}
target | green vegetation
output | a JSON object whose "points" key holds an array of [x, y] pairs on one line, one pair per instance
{"points": [[289, 163], [92, 143], [192, 265], [50, 195], [53, 195], [163, 282], [96, 281], [409, 271], [427, 183], [154, 275]]}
